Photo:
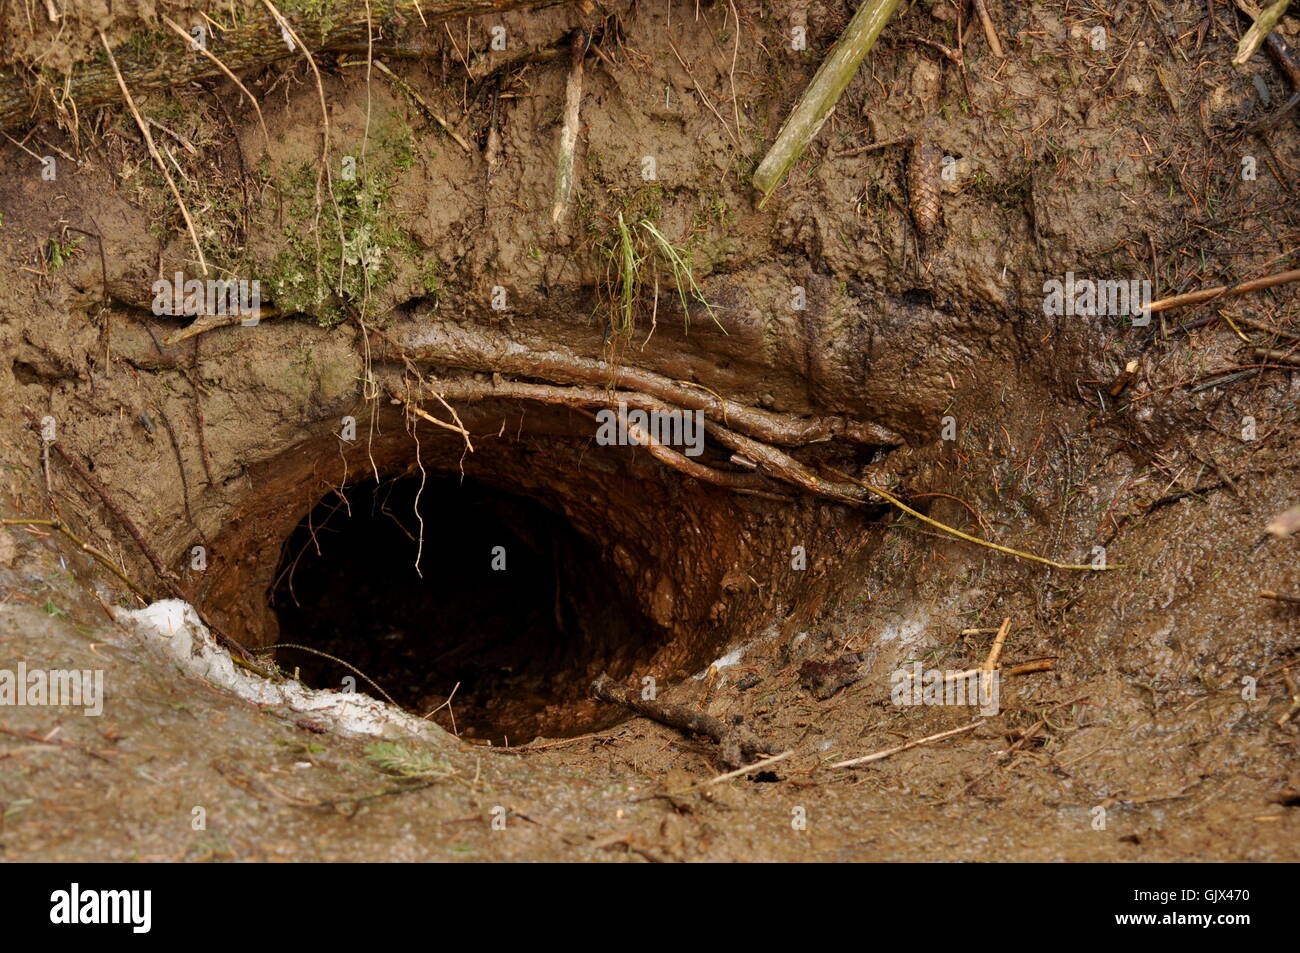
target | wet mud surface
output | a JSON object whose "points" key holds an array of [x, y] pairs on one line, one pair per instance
{"points": [[1150, 719]]}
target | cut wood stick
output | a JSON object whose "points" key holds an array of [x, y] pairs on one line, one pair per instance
{"points": [[1278, 596], [1276, 45], [827, 85], [1225, 291], [1275, 355], [880, 755], [1029, 668], [990, 32], [995, 652], [1253, 37]]}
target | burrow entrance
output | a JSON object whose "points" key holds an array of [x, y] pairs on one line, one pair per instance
{"points": [[544, 560], [482, 606]]}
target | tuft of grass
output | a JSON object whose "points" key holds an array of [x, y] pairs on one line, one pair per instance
{"points": [[404, 762], [628, 263], [679, 263], [630, 252]]}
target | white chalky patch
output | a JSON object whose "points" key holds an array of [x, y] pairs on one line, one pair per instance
{"points": [[174, 626]]}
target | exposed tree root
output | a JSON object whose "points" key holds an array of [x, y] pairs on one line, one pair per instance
{"points": [[477, 349], [773, 462]]}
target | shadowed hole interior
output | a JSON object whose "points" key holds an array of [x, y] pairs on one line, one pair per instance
{"points": [[509, 602]]}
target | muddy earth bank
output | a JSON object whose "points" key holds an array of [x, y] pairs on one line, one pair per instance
{"points": [[401, 464]]}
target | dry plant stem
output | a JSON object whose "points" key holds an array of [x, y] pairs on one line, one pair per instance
{"points": [[887, 752], [890, 498], [84, 547], [747, 769], [1265, 327], [168, 578], [1225, 291], [484, 351], [874, 146], [679, 717], [225, 72], [153, 151], [419, 101], [348, 665], [708, 102], [325, 142], [829, 83]]}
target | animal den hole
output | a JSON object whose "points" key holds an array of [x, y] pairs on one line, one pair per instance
{"points": [[511, 608]]}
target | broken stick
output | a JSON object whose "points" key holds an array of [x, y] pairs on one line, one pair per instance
{"points": [[737, 741], [879, 755]]}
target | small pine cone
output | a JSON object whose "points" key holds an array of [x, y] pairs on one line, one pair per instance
{"points": [[924, 167]]}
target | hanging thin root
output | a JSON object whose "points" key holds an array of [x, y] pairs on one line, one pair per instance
{"points": [[457, 427], [225, 70]]}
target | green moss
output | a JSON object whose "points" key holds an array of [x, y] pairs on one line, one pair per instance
{"points": [[324, 13], [339, 251]]}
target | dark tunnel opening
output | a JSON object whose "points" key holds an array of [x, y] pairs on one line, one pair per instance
{"points": [[511, 614]]}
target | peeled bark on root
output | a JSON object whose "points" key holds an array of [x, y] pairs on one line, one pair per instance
{"points": [[163, 60], [480, 350]]}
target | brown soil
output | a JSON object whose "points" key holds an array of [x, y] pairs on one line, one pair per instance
{"points": [[1122, 163]]}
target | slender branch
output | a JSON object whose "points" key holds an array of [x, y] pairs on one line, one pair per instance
{"points": [[829, 83]]}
